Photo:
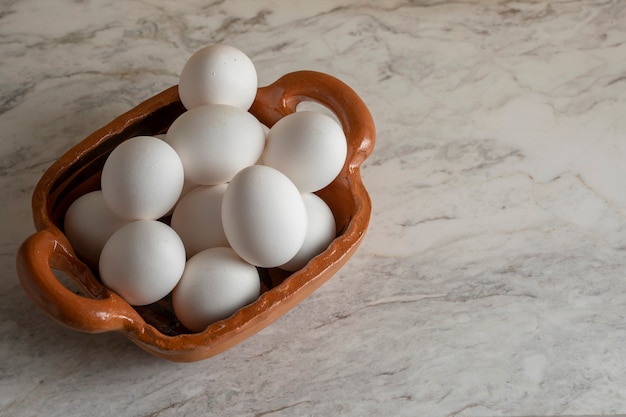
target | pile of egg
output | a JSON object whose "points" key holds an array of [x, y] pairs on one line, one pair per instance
{"points": [[239, 196]]}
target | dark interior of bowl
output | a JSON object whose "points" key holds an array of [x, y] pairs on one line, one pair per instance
{"points": [[83, 176]]}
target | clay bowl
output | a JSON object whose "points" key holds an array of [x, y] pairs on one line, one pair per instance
{"points": [[93, 308]]}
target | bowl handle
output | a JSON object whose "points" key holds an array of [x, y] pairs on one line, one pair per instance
{"points": [[283, 96], [45, 250]]}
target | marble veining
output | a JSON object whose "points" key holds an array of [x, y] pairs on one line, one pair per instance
{"points": [[491, 280]]}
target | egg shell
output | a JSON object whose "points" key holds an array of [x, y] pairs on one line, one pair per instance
{"points": [[214, 142], [263, 216], [197, 219], [218, 74], [142, 261], [187, 185], [88, 224], [309, 147], [266, 131], [321, 230], [215, 284], [142, 178]]}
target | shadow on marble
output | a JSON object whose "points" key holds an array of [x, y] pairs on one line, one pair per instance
{"points": [[37, 336]]}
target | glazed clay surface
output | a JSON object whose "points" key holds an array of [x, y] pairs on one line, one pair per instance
{"points": [[154, 328]]}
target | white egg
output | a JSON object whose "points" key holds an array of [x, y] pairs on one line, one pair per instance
{"points": [[215, 284], [197, 219], [266, 131], [142, 261], [187, 185], [142, 178], [309, 147], [88, 224], [321, 230], [263, 216], [214, 142], [218, 74]]}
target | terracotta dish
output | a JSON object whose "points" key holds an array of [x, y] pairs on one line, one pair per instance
{"points": [[95, 309]]}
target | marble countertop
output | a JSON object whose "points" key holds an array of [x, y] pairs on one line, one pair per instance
{"points": [[491, 279]]}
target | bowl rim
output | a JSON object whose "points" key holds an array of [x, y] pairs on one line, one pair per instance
{"points": [[101, 310]]}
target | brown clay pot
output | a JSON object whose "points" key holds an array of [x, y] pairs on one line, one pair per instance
{"points": [[154, 328]]}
